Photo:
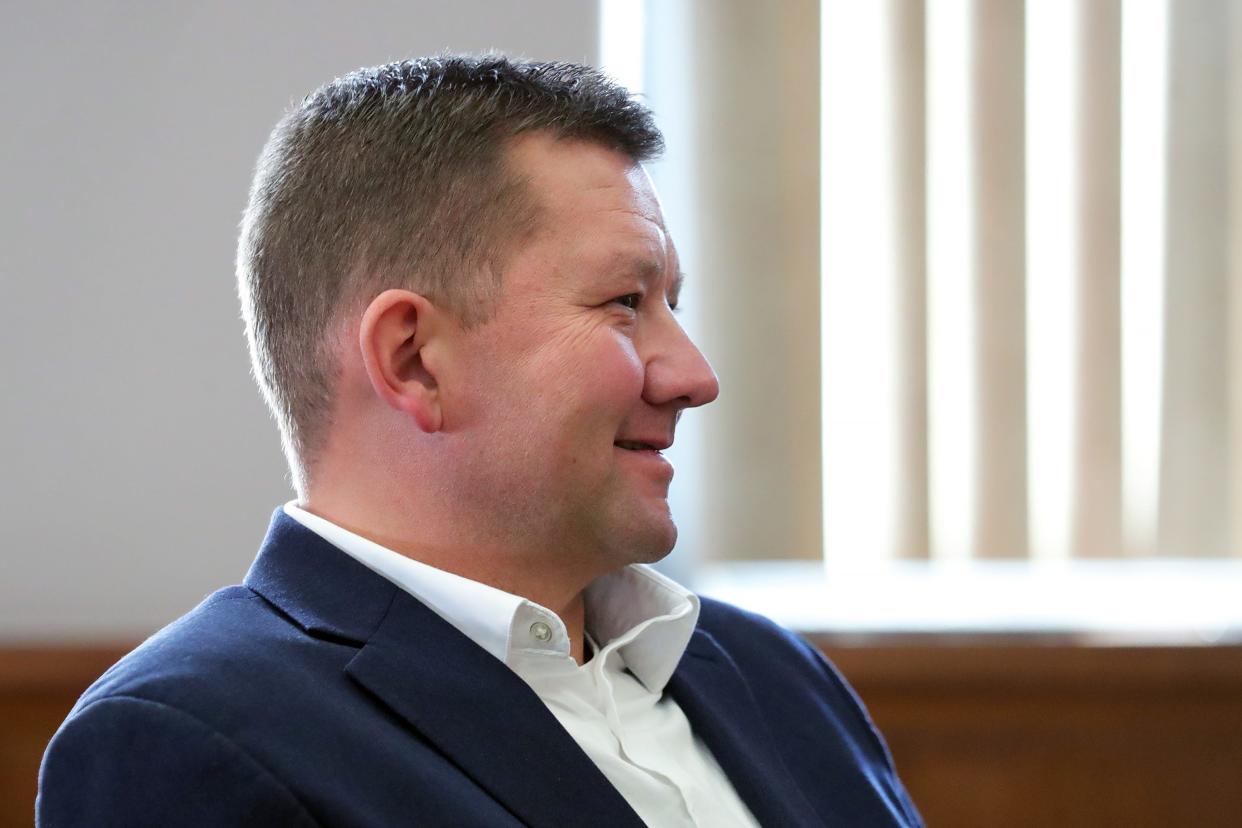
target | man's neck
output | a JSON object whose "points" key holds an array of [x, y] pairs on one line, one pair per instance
{"points": [[524, 578]]}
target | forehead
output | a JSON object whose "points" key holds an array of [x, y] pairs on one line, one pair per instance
{"points": [[592, 200]]}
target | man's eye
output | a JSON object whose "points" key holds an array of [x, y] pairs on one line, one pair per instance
{"points": [[630, 300]]}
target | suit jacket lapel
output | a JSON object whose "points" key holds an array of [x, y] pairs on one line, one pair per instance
{"points": [[722, 712], [475, 709], [485, 719]]}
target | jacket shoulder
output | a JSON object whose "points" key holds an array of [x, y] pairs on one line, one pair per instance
{"points": [[127, 761], [745, 634], [200, 661], [171, 714], [796, 685], [761, 647]]}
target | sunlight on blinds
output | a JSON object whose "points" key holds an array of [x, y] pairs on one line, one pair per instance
{"points": [[1030, 320], [951, 349], [858, 292], [1045, 164], [1051, 261], [1144, 59], [1023, 241]]}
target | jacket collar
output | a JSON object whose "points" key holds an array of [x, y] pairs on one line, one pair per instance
{"points": [[324, 591], [457, 695]]}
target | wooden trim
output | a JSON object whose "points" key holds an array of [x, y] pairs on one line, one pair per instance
{"points": [[1000, 731], [1020, 734], [57, 668], [1037, 667], [39, 683]]}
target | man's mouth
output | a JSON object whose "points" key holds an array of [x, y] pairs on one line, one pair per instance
{"points": [[634, 445]]}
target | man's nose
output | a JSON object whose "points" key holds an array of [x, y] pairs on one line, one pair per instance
{"points": [[677, 371]]}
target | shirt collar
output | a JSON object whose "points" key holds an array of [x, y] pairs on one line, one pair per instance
{"points": [[647, 618]]}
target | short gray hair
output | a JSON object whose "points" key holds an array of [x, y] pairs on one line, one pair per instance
{"points": [[394, 176]]}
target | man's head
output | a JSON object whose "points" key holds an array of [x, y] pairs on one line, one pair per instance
{"points": [[459, 292], [395, 177]]}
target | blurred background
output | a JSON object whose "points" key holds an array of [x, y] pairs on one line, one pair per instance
{"points": [[969, 271]]}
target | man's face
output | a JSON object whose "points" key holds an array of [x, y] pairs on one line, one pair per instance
{"points": [[579, 378]]}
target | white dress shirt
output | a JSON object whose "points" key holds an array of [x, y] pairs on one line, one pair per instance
{"points": [[638, 624]]}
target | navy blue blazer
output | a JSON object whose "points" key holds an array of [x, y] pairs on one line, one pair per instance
{"points": [[319, 693]]}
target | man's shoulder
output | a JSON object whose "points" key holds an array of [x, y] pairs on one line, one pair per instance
{"points": [[164, 736], [227, 648], [715, 613], [762, 648], [744, 633], [805, 701]]}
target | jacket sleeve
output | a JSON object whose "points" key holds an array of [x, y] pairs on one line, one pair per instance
{"points": [[129, 761]]}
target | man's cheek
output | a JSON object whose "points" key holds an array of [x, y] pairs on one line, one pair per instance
{"points": [[624, 371]]}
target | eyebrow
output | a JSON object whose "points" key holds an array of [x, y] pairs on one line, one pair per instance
{"points": [[675, 287], [647, 269]]}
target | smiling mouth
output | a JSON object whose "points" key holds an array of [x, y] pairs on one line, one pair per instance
{"points": [[631, 445]]}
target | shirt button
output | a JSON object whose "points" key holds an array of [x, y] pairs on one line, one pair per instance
{"points": [[540, 631]]}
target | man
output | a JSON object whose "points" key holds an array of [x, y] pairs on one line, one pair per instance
{"points": [[459, 293]]}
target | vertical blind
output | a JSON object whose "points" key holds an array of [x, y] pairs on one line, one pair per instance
{"points": [[973, 267], [1055, 267]]}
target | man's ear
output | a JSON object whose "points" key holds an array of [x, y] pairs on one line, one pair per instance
{"points": [[395, 331]]}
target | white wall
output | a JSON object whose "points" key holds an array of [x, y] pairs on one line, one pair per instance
{"points": [[138, 467]]}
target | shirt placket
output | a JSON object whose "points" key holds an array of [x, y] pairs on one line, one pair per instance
{"points": [[606, 694]]}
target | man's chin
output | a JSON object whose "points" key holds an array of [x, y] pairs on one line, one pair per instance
{"points": [[634, 530], [651, 541]]}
